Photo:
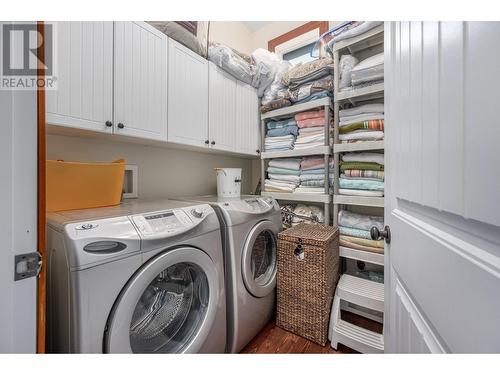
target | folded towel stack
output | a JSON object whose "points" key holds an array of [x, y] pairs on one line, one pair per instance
{"points": [[283, 175], [362, 173], [363, 123], [311, 126], [355, 231], [280, 135], [312, 175]]}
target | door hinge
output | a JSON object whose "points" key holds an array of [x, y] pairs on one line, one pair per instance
{"points": [[27, 265]]}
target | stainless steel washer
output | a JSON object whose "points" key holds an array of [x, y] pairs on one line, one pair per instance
{"points": [[142, 277]]}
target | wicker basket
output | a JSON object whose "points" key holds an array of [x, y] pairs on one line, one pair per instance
{"points": [[308, 262]]}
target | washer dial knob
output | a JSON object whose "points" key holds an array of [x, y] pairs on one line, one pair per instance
{"points": [[196, 212]]}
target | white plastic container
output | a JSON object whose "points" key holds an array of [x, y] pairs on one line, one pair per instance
{"points": [[228, 182]]}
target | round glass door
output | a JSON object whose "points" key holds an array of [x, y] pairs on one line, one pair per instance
{"points": [[259, 260], [168, 307]]}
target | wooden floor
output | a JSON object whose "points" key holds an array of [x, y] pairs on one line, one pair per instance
{"points": [[274, 340]]}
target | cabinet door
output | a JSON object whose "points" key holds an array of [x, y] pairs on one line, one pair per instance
{"points": [[247, 119], [187, 96], [222, 110], [84, 71], [140, 85]]}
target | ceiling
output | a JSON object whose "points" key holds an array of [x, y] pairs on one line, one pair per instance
{"points": [[253, 26]]}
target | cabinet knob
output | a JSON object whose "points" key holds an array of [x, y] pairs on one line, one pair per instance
{"points": [[207, 142], [109, 124], [257, 151], [120, 125], [377, 234], [212, 143]]}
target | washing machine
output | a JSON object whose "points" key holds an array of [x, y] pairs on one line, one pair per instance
{"points": [[142, 277], [250, 226]]}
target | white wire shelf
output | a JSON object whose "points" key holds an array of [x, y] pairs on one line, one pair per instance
{"points": [[299, 197], [369, 39], [322, 150], [358, 146], [362, 93], [296, 108], [358, 200]]}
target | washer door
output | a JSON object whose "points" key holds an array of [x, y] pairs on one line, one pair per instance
{"points": [[169, 305], [259, 259]]}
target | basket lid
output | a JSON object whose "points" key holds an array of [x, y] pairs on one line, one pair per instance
{"points": [[312, 234]]}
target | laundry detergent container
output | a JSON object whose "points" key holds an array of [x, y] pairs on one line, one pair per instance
{"points": [[228, 182], [74, 185]]}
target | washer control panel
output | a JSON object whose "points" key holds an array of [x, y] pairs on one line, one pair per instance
{"points": [[170, 222]]}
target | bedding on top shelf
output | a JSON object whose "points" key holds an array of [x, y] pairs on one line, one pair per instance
{"points": [[355, 228], [192, 34]]}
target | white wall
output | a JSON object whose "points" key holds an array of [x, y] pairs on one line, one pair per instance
{"points": [[163, 172], [233, 34]]}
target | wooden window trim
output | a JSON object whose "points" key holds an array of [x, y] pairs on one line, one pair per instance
{"points": [[302, 29]]}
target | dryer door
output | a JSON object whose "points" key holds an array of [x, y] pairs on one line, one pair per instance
{"points": [[168, 306], [259, 259]]}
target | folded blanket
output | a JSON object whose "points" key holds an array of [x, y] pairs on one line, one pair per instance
{"points": [[278, 148], [369, 157], [361, 184], [350, 32], [314, 76], [361, 193], [288, 178], [283, 171], [352, 245], [315, 170], [312, 162], [307, 89], [318, 176], [310, 190], [370, 124], [281, 124], [315, 183], [361, 165], [364, 173], [287, 130], [309, 114], [365, 108], [309, 145], [315, 96], [306, 131], [289, 163], [363, 241], [275, 104], [359, 221], [279, 184], [305, 70], [361, 178], [362, 135], [313, 122], [347, 120], [353, 232]]}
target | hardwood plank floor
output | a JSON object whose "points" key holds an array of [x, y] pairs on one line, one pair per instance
{"points": [[274, 340]]}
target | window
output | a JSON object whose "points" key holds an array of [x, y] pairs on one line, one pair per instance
{"points": [[295, 46], [299, 55]]}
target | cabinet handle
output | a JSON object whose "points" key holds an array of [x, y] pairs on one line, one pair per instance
{"points": [[207, 142], [120, 125], [212, 143], [257, 151], [109, 124]]}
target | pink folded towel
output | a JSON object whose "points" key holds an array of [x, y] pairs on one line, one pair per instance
{"points": [[310, 114], [312, 122]]}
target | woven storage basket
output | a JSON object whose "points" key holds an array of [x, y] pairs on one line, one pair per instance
{"points": [[308, 262]]}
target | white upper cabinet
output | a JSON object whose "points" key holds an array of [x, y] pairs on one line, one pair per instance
{"points": [[84, 71], [187, 96], [222, 109], [247, 119], [233, 114], [140, 81]]}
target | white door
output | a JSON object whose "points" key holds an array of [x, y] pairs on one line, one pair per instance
{"points": [[18, 221], [84, 70], [187, 96], [442, 164], [223, 133], [247, 122], [140, 84]]}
